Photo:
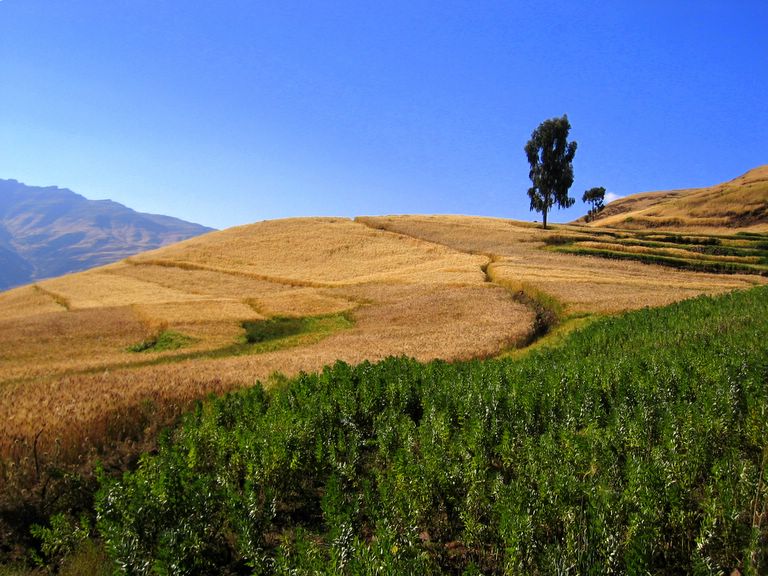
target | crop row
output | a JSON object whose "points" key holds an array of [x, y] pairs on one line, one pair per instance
{"points": [[639, 446]]}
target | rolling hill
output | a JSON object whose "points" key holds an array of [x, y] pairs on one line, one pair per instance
{"points": [[740, 203], [46, 232], [94, 364], [81, 351]]}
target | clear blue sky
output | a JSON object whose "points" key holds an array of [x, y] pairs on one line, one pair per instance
{"points": [[231, 111]]}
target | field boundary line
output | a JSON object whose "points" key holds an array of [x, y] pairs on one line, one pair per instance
{"points": [[59, 299]]}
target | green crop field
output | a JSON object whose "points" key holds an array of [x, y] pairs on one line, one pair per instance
{"points": [[639, 446]]}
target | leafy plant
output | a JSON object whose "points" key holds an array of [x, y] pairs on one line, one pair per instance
{"points": [[60, 538], [636, 447]]}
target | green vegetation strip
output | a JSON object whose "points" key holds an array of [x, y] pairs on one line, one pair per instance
{"points": [[719, 251], [713, 266], [269, 335], [639, 446], [165, 340], [309, 330]]}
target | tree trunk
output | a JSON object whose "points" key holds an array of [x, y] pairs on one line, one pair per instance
{"points": [[545, 218]]}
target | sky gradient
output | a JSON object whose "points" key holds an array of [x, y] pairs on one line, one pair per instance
{"points": [[235, 111]]}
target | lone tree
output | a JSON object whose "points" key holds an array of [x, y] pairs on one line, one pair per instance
{"points": [[550, 156], [596, 197]]}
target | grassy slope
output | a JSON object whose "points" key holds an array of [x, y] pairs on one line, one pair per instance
{"points": [[638, 446], [428, 287], [739, 203], [402, 285]]}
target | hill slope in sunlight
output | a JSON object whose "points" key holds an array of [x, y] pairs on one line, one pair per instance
{"points": [[740, 203], [223, 310]]}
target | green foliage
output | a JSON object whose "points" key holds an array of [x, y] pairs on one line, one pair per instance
{"points": [[595, 197], [734, 254], [678, 239], [550, 156], [60, 538], [712, 266], [273, 328], [637, 447], [165, 340], [260, 336], [283, 332]]}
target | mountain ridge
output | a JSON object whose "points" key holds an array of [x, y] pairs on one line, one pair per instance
{"points": [[49, 231]]}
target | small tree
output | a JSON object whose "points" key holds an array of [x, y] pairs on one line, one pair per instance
{"points": [[550, 156], [596, 197]]}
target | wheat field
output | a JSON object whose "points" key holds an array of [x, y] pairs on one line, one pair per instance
{"points": [[741, 203], [423, 286], [582, 284]]}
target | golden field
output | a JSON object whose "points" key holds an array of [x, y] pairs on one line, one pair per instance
{"points": [[447, 287], [740, 203]]}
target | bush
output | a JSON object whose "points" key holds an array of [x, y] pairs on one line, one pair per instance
{"points": [[165, 340], [637, 447], [279, 327]]}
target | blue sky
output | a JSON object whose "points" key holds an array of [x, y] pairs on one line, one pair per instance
{"points": [[235, 111]]}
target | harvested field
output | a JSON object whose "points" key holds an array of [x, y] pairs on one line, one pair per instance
{"points": [[449, 322], [465, 233], [28, 301], [319, 252], [740, 203], [43, 345], [582, 284]]}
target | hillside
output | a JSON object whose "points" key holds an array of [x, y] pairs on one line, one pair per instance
{"points": [[95, 363], [636, 447], [740, 203], [46, 232], [172, 324]]}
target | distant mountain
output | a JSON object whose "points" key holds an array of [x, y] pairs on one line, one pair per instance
{"points": [[739, 203], [50, 231]]}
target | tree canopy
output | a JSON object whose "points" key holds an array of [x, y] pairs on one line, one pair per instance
{"points": [[596, 197], [551, 158]]}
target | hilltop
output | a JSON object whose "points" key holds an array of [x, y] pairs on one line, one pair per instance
{"points": [[50, 231], [740, 203]]}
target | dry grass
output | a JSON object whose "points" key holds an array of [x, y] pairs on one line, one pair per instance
{"points": [[414, 285], [465, 233], [607, 287], [581, 283], [742, 202], [204, 283], [54, 343], [27, 301], [407, 296], [196, 312], [425, 322], [302, 302], [674, 252], [321, 252], [97, 289]]}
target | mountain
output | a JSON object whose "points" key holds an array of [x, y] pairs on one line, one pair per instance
{"points": [[739, 203], [50, 231]]}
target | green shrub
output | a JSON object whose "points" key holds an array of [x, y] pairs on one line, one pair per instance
{"points": [[273, 328], [639, 446], [165, 340], [60, 538]]}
